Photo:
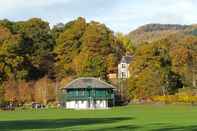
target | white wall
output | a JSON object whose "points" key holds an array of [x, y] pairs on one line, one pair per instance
{"points": [[99, 104], [125, 70], [76, 104], [82, 104], [70, 104]]}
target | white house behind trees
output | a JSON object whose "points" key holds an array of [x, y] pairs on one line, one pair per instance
{"points": [[123, 67]]}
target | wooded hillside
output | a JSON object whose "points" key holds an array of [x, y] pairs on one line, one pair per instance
{"points": [[30, 50], [35, 59], [154, 32]]}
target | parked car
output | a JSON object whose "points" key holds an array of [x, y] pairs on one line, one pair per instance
{"points": [[7, 107], [36, 105]]}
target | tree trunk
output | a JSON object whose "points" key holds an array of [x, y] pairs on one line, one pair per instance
{"points": [[194, 79]]}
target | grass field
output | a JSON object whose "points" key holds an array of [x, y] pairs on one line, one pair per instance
{"points": [[129, 118]]}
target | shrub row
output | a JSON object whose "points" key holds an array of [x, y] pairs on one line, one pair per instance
{"points": [[175, 99]]}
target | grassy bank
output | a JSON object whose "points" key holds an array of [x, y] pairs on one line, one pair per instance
{"points": [[133, 117]]}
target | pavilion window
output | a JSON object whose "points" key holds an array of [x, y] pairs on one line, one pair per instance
{"points": [[81, 92], [77, 93]]}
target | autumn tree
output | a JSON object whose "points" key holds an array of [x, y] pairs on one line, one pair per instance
{"points": [[126, 42], [44, 91], [86, 49], [25, 49], [25, 91], [11, 93], [38, 46], [184, 60], [151, 72], [68, 46], [11, 59], [1, 94]]}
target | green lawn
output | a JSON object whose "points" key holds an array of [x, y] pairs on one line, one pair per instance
{"points": [[133, 117]]}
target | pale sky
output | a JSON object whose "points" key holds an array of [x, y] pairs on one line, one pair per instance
{"points": [[118, 15]]}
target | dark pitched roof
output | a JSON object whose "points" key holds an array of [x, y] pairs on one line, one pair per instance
{"points": [[126, 59], [85, 82]]}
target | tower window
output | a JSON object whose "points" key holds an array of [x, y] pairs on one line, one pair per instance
{"points": [[123, 66], [123, 74]]}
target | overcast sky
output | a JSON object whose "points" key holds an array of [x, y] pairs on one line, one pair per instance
{"points": [[119, 15]]}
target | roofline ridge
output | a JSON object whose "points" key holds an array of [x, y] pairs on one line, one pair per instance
{"points": [[79, 78], [106, 83]]}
